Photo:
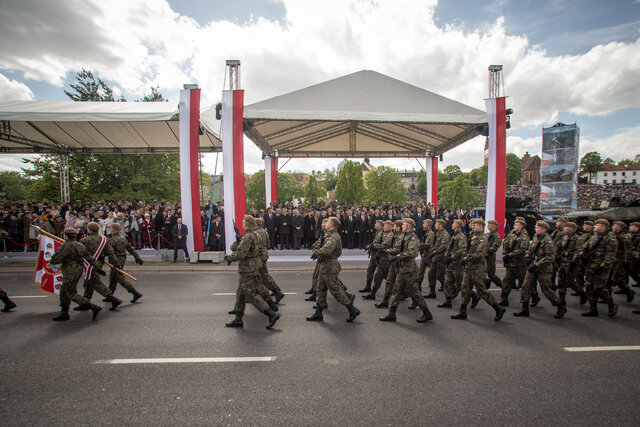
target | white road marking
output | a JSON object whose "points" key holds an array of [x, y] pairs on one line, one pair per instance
{"points": [[602, 348], [228, 294], [28, 296], [184, 360]]}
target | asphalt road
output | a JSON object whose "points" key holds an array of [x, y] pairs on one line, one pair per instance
{"points": [[445, 372]]}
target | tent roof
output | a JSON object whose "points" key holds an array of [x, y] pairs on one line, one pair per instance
{"points": [[364, 114], [97, 127]]}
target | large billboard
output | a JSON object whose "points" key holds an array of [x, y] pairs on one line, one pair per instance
{"points": [[559, 169]]}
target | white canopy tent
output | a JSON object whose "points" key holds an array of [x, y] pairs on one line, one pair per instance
{"points": [[98, 127], [364, 114]]}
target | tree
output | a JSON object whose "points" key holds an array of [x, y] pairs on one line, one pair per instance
{"points": [[514, 170], [330, 179], [458, 193], [421, 182], [383, 184], [314, 190], [590, 164], [479, 176], [288, 189], [154, 96], [608, 161], [350, 186], [14, 187], [631, 163], [448, 174], [90, 88], [255, 191]]}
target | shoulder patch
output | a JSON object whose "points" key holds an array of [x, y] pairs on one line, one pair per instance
{"points": [[413, 238]]}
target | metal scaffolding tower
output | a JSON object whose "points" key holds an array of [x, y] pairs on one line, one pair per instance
{"points": [[233, 66], [65, 195], [496, 81]]}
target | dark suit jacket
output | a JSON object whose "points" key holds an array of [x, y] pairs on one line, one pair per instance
{"points": [[182, 232], [269, 223], [280, 221]]}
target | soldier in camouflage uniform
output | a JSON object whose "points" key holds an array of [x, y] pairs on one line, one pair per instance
{"points": [[582, 239], [99, 249], [120, 246], [373, 256], [566, 258], [426, 246], [328, 278], [8, 304], [246, 252], [266, 278], [556, 236], [453, 260], [316, 271], [493, 244], [382, 247], [390, 281], [405, 285], [515, 248], [70, 254], [475, 272], [599, 254], [541, 254], [618, 276], [437, 267], [633, 257]]}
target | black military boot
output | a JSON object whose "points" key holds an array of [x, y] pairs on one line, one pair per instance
{"points": [[426, 315], [431, 294], [613, 309], [391, 315], [237, 322], [441, 288], [310, 291], [278, 294], [115, 302], [462, 314], [475, 299], [8, 304], [413, 305], [95, 309], [563, 299], [353, 313], [351, 297], [273, 317], [593, 310], [232, 311], [367, 288], [631, 294], [504, 301], [446, 304], [311, 297], [370, 296], [64, 315], [456, 291], [487, 283], [384, 303], [562, 309], [636, 311], [136, 296], [317, 316], [535, 299], [272, 305], [583, 297], [499, 312], [525, 310], [85, 307]]}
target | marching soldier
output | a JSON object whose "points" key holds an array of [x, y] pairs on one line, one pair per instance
{"points": [[8, 304], [120, 246], [453, 261], [582, 239], [556, 236], [316, 271], [541, 254], [599, 254], [98, 248], [390, 281], [373, 255], [515, 248], [566, 258], [633, 257], [246, 252], [437, 267], [426, 246], [493, 244], [475, 272], [382, 247], [70, 255], [328, 277], [405, 284], [618, 276], [265, 277]]}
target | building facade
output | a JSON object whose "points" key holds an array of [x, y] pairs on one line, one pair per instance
{"points": [[614, 174]]}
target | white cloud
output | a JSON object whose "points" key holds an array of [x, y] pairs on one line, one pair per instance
{"points": [[11, 90]]}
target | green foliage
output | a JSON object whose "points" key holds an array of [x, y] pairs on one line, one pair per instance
{"points": [[590, 163], [314, 190], [288, 189], [632, 163], [350, 185], [255, 192], [608, 161], [514, 170], [330, 179], [14, 187], [478, 176], [383, 184], [90, 88], [458, 193], [448, 174], [154, 96], [421, 182]]}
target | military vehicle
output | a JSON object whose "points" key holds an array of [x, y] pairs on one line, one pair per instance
{"points": [[515, 207], [617, 209]]}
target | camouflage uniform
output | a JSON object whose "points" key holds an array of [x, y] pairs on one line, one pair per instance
{"points": [[541, 253], [374, 258], [618, 275], [261, 288], [92, 242], [263, 250], [581, 268], [246, 253], [475, 270], [405, 285], [426, 247], [328, 272], [566, 260], [599, 254], [383, 262], [120, 246], [437, 266], [453, 275], [515, 248], [556, 237], [390, 281], [633, 257], [493, 242], [70, 255]]}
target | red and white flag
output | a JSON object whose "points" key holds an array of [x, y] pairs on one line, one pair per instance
{"points": [[497, 166], [88, 267], [47, 276], [271, 179]]}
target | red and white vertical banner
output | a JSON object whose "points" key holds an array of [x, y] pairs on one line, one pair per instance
{"points": [[233, 163], [189, 109], [432, 181], [497, 165], [271, 179], [45, 275]]}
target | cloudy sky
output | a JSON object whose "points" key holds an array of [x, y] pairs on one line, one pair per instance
{"points": [[564, 60]]}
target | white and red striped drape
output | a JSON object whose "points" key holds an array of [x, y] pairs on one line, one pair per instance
{"points": [[432, 181], [271, 179], [497, 165]]}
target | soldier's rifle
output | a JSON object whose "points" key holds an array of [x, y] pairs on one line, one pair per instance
{"points": [[590, 255], [238, 235], [60, 240]]}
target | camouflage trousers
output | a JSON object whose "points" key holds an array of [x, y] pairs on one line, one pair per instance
{"points": [[437, 270], [596, 285], [544, 279], [69, 291], [116, 277], [266, 278], [94, 283], [314, 277], [516, 270], [330, 281], [567, 279], [579, 272], [371, 268], [381, 274], [474, 277], [422, 269], [252, 291], [406, 286], [619, 277], [452, 279], [491, 270], [391, 280]]}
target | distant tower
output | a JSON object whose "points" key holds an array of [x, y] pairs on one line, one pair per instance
{"points": [[496, 89]]}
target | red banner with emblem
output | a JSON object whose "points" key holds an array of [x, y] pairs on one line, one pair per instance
{"points": [[47, 276]]}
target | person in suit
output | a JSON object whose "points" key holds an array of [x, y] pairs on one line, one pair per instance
{"points": [[283, 223], [309, 228], [361, 229], [297, 224], [270, 224], [350, 228], [179, 232], [216, 234], [418, 218]]}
